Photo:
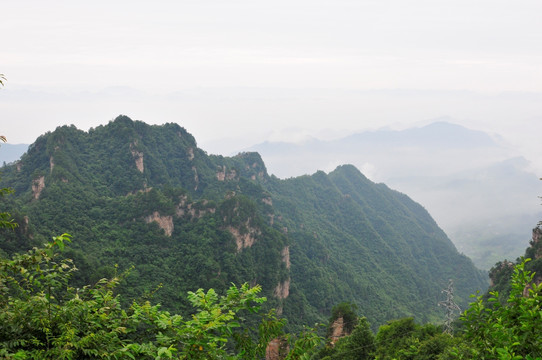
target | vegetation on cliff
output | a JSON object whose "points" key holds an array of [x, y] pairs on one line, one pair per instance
{"points": [[134, 195]]}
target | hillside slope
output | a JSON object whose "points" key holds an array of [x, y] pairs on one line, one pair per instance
{"points": [[480, 190], [146, 196]]}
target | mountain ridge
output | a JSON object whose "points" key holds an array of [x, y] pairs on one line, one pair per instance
{"points": [[146, 195], [462, 176]]}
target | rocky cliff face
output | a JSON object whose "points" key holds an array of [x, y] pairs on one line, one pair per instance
{"points": [[244, 239], [285, 253], [193, 210], [277, 349], [138, 157], [282, 290], [164, 222], [226, 175], [38, 185], [337, 330]]}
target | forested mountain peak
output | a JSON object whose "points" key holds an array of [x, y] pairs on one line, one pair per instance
{"points": [[134, 194], [145, 155]]}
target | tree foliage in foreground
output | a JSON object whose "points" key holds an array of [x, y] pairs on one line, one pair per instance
{"points": [[506, 331], [42, 317]]}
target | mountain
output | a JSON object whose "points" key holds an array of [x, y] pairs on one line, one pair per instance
{"points": [[141, 196], [438, 135], [482, 193]]}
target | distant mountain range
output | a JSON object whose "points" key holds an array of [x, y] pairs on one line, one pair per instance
{"points": [[481, 193], [146, 196]]}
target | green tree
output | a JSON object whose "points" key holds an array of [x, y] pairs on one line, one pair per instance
{"points": [[360, 345], [346, 311], [43, 317], [506, 331], [394, 337], [404, 339]]}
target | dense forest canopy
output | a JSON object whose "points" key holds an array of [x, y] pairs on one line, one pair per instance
{"points": [[43, 317], [146, 196]]}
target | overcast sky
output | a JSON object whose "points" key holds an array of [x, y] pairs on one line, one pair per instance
{"points": [[237, 72]]}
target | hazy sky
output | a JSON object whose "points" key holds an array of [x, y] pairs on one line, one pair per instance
{"points": [[242, 71]]}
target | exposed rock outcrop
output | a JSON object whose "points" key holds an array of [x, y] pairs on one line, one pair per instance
{"points": [[51, 163], [164, 222], [282, 291], [196, 177], [246, 238], [260, 176], [190, 154], [277, 349], [38, 185], [138, 157], [337, 330], [221, 174], [195, 211], [144, 190], [181, 206], [285, 253], [24, 227]]}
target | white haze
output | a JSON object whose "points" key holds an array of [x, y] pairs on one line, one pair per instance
{"points": [[240, 72]]}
